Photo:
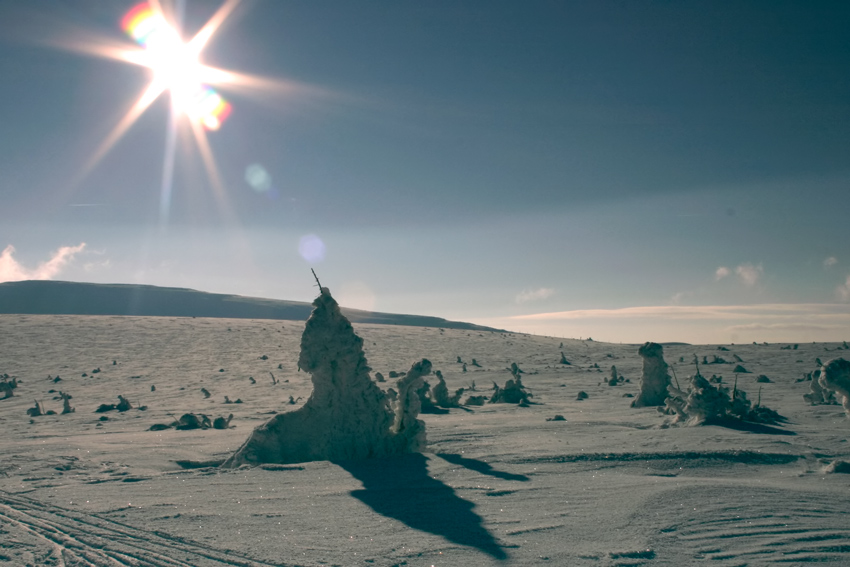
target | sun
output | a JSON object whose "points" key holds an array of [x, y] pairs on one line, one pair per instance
{"points": [[176, 66], [176, 69]]}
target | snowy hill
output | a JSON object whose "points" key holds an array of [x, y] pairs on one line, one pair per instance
{"points": [[74, 298]]}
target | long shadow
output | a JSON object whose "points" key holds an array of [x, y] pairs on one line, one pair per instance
{"points": [[739, 425], [480, 467], [400, 488]]}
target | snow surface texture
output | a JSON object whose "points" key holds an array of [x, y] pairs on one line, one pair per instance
{"points": [[498, 484], [347, 416], [654, 380], [835, 375]]}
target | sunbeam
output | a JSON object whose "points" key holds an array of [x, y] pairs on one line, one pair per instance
{"points": [[144, 101], [212, 173]]}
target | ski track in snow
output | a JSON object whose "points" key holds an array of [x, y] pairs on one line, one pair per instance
{"points": [[40, 534]]}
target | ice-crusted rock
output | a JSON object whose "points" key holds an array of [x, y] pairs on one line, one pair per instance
{"points": [[654, 379], [835, 375], [347, 416]]}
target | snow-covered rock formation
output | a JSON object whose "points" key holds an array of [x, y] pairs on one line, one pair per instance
{"points": [[347, 416]]}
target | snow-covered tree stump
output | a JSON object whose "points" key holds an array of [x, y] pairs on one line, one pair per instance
{"points": [[835, 375], [654, 380], [818, 395]]}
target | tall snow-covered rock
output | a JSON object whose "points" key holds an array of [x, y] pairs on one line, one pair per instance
{"points": [[654, 379], [347, 416]]}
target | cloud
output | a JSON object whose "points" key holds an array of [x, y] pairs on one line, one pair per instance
{"points": [[721, 273], [93, 266], [830, 262], [11, 270], [749, 274], [776, 311], [527, 295], [844, 290], [796, 327], [698, 324], [678, 297]]}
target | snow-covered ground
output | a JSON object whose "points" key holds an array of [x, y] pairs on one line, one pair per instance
{"points": [[498, 485]]}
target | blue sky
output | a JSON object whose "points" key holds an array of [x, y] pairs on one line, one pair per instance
{"points": [[560, 162]]}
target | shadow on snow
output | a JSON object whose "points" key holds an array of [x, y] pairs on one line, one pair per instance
{"points": [[480, 467], [400, 488]]}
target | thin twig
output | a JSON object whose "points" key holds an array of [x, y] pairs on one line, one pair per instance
{"points": [[676, 378]]}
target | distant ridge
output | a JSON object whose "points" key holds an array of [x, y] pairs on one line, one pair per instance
{"points": [[48, 297]]}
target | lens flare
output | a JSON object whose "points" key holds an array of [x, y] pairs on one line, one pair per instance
{"points": [[311, 248], [176, 67], [258, 178]]}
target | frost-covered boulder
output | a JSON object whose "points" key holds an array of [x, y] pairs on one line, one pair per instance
{"points": [[654, 379], [835, 375], [347, 416]]}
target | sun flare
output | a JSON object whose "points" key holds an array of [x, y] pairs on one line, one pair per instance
{"points": [[176, 69], [176, 66]]}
